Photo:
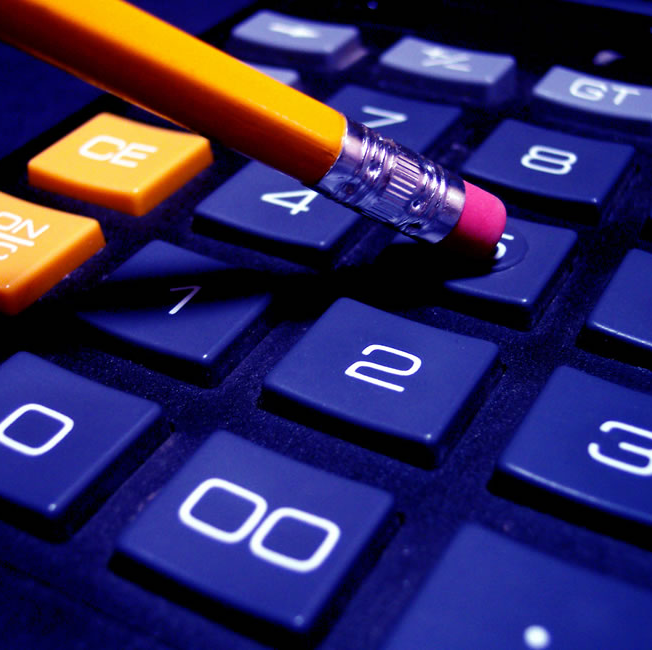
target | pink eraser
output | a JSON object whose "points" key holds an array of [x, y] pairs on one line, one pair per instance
{"points": [[480, 226]]}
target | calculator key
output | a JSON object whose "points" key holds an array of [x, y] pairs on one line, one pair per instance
{"points": [[491, 592], [65, 442], [550, 167], [450, 72], [394, 381], [512, 288], [270, 210], [567, 93], [120, 164], [283, 40], [178, 309], [38, 248], [260, 533], [588, 441], [413, 123], [621, 322]]}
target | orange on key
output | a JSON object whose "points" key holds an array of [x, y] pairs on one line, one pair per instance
{"points": [[38, 247], [120, 164]]}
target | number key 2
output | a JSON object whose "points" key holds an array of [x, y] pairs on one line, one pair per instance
{"points": [[395, 382]]}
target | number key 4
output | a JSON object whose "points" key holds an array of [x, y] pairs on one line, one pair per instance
{"points": [[264, 208]]}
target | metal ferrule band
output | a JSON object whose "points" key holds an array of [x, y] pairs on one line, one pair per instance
{"points": [[389, 183]]}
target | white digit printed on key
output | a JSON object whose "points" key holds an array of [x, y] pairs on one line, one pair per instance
{"points": [[66, 423], [354, 369], [549, 160], [385, 117], [260, 526], [295, 207], [642, 452]]}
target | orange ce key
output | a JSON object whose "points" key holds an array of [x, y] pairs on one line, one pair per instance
{"points": [[120, 163], [38, 247]]}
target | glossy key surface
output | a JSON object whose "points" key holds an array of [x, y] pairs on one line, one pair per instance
{"points": [[179, 306], [511, 288], [267, 208], [567, 92], [62, 438], [385, 375], [450, 72], [413, 123], [280, 39], [266, 535], [574, 173], [38, 247], [621, 322], [587, 440], [120, 163], [491, 592]]}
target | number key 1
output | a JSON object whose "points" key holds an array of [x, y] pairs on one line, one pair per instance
{"points": [[189, 312]]}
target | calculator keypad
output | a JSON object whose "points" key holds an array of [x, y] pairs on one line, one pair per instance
{"points": [[253, 418]]}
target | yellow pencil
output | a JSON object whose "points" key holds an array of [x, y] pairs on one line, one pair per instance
{"points": [[138, 57]]}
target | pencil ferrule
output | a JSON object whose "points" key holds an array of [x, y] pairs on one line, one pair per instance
{"points": [[381, 179]]}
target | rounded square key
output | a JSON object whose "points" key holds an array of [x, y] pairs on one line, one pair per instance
{"points": [[278, 39], [263, 534], [185, 309], [392, 378], [120, 164], [570, 93], [65, 442], [413, 123], [589, 441], [450, 72], [512, 288], [621, 322], [528, 261], [271, 210], [38, 248], [550, 167], [491, 592]]}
